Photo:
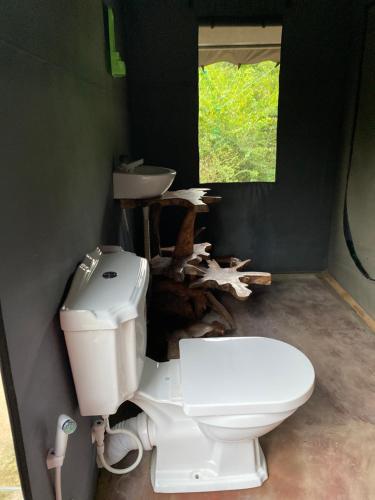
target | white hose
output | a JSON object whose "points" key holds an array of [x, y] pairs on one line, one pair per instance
{"points": [[58, 493], [100, 447], [117, 446]]}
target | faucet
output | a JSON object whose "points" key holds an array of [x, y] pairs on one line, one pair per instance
{"points": [[129, 167]]}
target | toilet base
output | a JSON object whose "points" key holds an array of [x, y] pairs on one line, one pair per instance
{"points": [[226, 466]]}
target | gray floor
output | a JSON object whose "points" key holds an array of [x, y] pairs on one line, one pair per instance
{"points": [[325, 451]]}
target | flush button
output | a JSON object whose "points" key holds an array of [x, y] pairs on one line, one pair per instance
{"points": [[109, 275]]}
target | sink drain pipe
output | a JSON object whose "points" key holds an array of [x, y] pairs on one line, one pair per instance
{"points": [[128, 435]]}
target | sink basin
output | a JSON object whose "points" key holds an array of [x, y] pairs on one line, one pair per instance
{"points": [[144, 181]]}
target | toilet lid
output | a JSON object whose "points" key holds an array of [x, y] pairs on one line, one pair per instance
{"points": [[243, 375]]}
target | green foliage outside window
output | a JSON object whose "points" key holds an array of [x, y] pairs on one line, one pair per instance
{"points": [[238, 122]]}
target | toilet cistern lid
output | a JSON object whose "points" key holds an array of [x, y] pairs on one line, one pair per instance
{"points": [[243, 375], [105, 291]]}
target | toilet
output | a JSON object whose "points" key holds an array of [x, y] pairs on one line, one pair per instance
{"points": [[202, 414]]}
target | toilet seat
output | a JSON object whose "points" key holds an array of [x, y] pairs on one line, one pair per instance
{"points": [[243, 376]]}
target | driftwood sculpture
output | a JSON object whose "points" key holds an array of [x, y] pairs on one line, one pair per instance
{"points": [[230, 279], [173, 267], [185, 274], [184, 253]]}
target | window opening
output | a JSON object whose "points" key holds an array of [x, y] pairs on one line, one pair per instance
{"points": [[238, 103]]}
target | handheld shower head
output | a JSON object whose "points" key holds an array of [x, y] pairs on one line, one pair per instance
{"points": [[55, 457], [65, 426], [68, 425]]}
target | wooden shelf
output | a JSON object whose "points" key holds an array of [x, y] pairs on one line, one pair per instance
{"points": [[194, 198]]}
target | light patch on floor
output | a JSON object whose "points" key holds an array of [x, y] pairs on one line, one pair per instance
{"points": [[11, 494], [325, 451], [9, 478]]}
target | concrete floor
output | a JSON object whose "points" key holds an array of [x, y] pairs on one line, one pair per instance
{"points": [[326, 450]]}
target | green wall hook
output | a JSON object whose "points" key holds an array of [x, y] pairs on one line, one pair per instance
{"points": [[118, 68]]}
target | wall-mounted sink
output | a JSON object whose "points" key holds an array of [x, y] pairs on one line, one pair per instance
{"points": [[144, 181]]}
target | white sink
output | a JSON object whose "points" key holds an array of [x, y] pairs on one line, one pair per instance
{"points": [[144, 181]]}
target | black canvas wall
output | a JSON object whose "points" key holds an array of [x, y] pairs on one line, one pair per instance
{"points": [[282, 226], [63, 119], [358, 160]]}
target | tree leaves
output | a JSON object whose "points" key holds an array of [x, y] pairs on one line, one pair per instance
{"points": [[238, 122]]}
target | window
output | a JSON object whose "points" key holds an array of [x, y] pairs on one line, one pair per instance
{"points": [[238, 102]]}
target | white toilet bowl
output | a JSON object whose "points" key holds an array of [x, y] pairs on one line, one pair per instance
{"points": [[240, 427], [205, 436]]}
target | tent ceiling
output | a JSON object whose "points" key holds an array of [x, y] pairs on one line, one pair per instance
{"points": [[239, 44]]}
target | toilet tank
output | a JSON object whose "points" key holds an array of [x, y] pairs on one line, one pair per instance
{"points": [[104, 324]]}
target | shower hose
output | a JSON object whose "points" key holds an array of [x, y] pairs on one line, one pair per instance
{"points": [[100, 427]]}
